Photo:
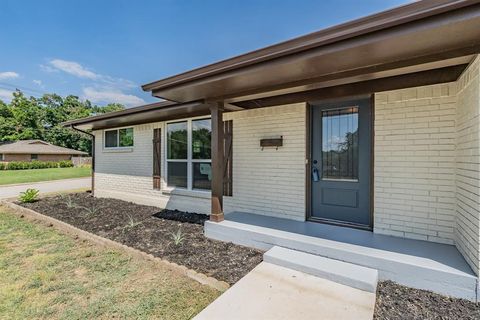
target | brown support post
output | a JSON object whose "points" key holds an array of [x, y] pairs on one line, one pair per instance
{"points": [[216, 110]]}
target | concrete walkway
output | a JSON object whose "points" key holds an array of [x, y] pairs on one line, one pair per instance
{"points": [[9, 191], [273, 292]]}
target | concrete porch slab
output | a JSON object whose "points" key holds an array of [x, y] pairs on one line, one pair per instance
{"points": [[415, 263], [274, 292]]}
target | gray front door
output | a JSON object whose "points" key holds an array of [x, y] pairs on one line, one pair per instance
{"points": [[341, 162]]}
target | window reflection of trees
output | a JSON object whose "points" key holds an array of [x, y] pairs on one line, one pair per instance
{"points": [[340, 143]]}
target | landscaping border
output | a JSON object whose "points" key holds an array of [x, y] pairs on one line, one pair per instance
{"points": [[85, 235]]}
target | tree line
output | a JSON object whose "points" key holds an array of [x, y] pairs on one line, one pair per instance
{"points": [[26, 118]]}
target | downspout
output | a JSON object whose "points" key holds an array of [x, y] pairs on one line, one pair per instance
{"points": [[93, 156]]}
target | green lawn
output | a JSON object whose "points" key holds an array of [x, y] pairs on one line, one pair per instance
{"points": [[47, 275], [34, 175]]}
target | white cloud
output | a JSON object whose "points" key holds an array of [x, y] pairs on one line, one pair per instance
{"points": [[73, 68], [38, 83], [111, 96], [6, 95], [100, 88], [8, 75], [77, 70], [47, 68]]}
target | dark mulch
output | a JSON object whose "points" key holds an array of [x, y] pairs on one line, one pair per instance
{"points": [[144, 228], [181, 216], [150, 229], [396, 302]]}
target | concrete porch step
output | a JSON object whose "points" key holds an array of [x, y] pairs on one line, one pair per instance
{"points": [[415, 263], [334, 270]]}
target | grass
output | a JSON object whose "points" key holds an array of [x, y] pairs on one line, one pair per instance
{"points": [[35, 175], [47, 275]]}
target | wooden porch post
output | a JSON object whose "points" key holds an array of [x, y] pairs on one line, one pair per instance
{"points": [[216, 111]]}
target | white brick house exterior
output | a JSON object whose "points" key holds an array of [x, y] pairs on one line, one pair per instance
{"points": [[370, 133], [426, 165]]}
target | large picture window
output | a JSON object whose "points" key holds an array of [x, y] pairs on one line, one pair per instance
{"points": [[189, 154], [119, 138]]}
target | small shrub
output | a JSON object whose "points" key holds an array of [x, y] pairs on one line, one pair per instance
{"points": [[3, 165], [131, 223], [17, 165], [177, 237], [65, 164], [35, 164], [28, 196], [67, 199], [91, 211]]}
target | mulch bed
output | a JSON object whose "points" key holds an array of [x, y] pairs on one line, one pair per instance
{"points": [[396, 302], [151, 230]]}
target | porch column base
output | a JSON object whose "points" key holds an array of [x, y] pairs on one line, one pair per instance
{"points": [[218, 217]]}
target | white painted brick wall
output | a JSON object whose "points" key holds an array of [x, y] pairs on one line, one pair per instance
{"points": [[415, 163], [427, 163], [269, 182], [467, 232]]}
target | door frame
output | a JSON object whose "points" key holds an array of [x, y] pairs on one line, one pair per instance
{"points": [[308, 161]]}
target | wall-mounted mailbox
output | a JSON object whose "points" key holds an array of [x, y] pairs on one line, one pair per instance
{"points": [[275, 143]]}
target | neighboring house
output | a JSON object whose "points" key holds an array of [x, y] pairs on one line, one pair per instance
{"points": [[371, 125], [28, 150]]}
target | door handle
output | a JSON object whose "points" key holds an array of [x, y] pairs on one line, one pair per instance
{"points": [[315, 175]]}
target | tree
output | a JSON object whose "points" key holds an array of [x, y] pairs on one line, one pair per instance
{"points": [[40, 118], [111, 107]]}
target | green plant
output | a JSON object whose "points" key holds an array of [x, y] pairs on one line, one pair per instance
{"points": [[35, 164], [92, 210], [65, 164], [67, 199], [28, 196], [131, 222], [177, 237]]}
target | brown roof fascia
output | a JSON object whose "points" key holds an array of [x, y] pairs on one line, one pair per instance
{"points": [[383, 20], [139, 109]]}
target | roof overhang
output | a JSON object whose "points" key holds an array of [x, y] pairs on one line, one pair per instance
{"points": [[415, 38], [154, 112]]}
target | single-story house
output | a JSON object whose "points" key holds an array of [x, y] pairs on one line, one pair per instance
{"points": [[359, 142], [30, 150]]}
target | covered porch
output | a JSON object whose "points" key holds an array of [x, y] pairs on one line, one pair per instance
{"points": [[366, 57], [415, 263]]}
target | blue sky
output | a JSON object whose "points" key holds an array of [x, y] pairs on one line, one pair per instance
{"points": [[104, 50]]}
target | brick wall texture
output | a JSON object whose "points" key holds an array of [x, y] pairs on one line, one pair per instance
{"points": [[427, 163], [269, 181]]}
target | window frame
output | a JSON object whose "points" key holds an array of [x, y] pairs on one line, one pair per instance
{"points": [[33, 156], [118, 138], [190, 161]]}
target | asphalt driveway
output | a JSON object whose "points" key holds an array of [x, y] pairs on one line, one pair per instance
{"points": [[9, 191]]}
